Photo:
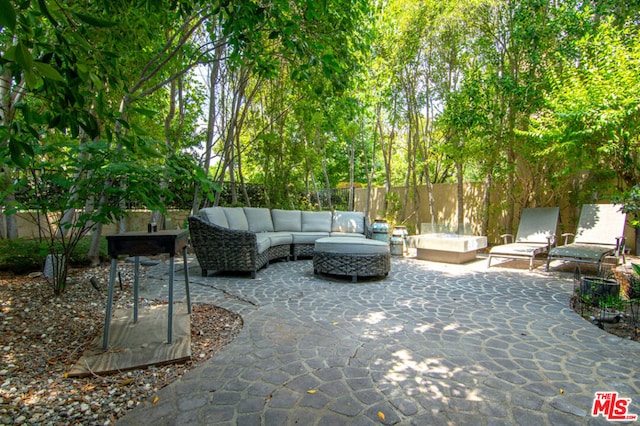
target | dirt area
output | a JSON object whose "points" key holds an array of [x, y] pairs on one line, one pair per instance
{"points": [[42, 336]]}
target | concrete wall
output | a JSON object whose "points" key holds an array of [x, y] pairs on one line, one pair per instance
{"points": [[445, 206], [136, 220]]}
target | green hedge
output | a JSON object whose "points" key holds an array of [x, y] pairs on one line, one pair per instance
{"points": [[23, 256]]}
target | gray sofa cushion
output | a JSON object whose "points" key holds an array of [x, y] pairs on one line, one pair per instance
{"points": [[307, 237], [347, 234], [263, 242], [348, 222], [316, 222], [280, 238], [236, 218], [286, 220], [349, 245], [259, 219], [214, 215]]}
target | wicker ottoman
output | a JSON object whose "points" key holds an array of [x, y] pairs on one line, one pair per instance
{"points": [[357, 257]]}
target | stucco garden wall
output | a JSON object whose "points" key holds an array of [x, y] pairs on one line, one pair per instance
{"points": [[445, 205]]}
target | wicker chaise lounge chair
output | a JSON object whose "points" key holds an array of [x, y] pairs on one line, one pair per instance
{"points": [[600, 234], [536, 235]]}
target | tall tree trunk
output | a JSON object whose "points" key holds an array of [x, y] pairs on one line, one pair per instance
{"points": [[11, 221], [316, 191], [327, 184], [3, 233], [460, 196], [486, 202], [211, 124], [11, 93], [352, 160], [243, 105], [372, 165], [94, 248]]}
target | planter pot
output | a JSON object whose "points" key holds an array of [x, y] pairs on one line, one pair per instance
{"points": [[396, 245], [380, 230], [599, 289], [401, 233]]}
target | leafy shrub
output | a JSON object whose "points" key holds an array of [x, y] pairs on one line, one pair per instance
{"points": [[633, 293], [23, 256]]}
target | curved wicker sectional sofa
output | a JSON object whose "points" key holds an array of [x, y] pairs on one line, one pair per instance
{"points": [[247, 238]]}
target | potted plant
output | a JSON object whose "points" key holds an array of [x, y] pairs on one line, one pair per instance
{"points": [[598, 289], [633, 296], [630, 204]]}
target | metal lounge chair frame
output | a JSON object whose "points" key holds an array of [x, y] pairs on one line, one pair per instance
{"points": [[536, 235], [600, 233]]}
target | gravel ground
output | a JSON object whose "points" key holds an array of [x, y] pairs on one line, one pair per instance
{"points": [[42, 336]]}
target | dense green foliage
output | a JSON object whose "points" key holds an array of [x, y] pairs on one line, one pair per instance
{"points": [[155, 103], [26, 255]]}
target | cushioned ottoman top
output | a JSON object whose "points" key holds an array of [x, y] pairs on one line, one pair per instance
{"points": [[350, 245]]}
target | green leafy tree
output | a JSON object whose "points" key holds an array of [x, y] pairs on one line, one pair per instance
{"points": [[592, 119], [69, 119]]}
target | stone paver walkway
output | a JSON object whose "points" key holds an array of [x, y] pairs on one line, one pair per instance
{"points": [[433, 344]]}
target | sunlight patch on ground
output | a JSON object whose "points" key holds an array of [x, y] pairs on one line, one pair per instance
{"points": [[405, 366], [452, 326], [373, 318], [430, 376], [424, 328], [473, 396]]}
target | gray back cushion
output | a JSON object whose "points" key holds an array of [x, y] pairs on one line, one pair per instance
{"points": [[259, 219], [600, 224], [286, 220], [214, 215], [236, 218], [536, 224], [316, 221], [351, 222]]}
